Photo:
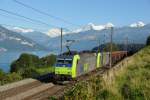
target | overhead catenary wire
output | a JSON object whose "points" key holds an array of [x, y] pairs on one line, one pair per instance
{"points": [[45, 13], [14, 18], [30, 19], [11, 17]]}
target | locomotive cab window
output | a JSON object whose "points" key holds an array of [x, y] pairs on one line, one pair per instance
{"points": [[68, 61], [64, 63]]}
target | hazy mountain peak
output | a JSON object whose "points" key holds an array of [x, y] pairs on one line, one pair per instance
{"points": [[108, 25], [92, 26], [54, 32], [96, 27], [100, 27], [137, 24]]}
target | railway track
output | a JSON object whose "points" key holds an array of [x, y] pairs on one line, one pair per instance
{"points": [[23, 89], [32, 89], [36, 90], [17, 87]]}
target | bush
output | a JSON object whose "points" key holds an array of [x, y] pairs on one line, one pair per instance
{"points": [[126, 91], [30, 72], [52, 98], [2, 74], [10, 77], [103, 95], [148, 41], [136, 94]]}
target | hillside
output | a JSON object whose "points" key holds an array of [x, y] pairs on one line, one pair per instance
{"points": [[10, 41], [130, 82], [39, 37]]}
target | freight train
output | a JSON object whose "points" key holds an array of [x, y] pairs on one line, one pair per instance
{"points": [[71, 66]]}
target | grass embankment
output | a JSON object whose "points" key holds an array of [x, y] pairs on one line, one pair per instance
{"points": [[130, 82]]}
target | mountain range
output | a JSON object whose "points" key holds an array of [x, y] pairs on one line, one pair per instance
{"points": [[91, 37], [85, 38]]}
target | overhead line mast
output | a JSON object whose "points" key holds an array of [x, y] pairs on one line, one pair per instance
{"points": [[61, 40], [111, 45]]}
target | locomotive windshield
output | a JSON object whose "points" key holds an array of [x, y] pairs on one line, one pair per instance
{"points": [[64, 62]]}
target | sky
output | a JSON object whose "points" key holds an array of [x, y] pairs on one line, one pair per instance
{"points": [[78, 12]]}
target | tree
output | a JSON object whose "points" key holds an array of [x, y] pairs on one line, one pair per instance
{"points": [[25, 61], [27, 64], [148, 41]]}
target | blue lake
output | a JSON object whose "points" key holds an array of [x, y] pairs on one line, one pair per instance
{"points": [[6, 58]]}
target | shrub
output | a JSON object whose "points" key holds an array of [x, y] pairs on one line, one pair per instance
{"points": [[126, 91], [103, 95], [136, 94], [10, 77], [30, 72], [2, 74], [52, 98], [148, 41]]}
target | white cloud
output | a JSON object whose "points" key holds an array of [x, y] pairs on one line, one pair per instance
{"points": [[137, 24], [54, 32], [22, 30]]}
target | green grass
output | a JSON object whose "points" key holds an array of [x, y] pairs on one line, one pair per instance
{"points": [[131, 83]]}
